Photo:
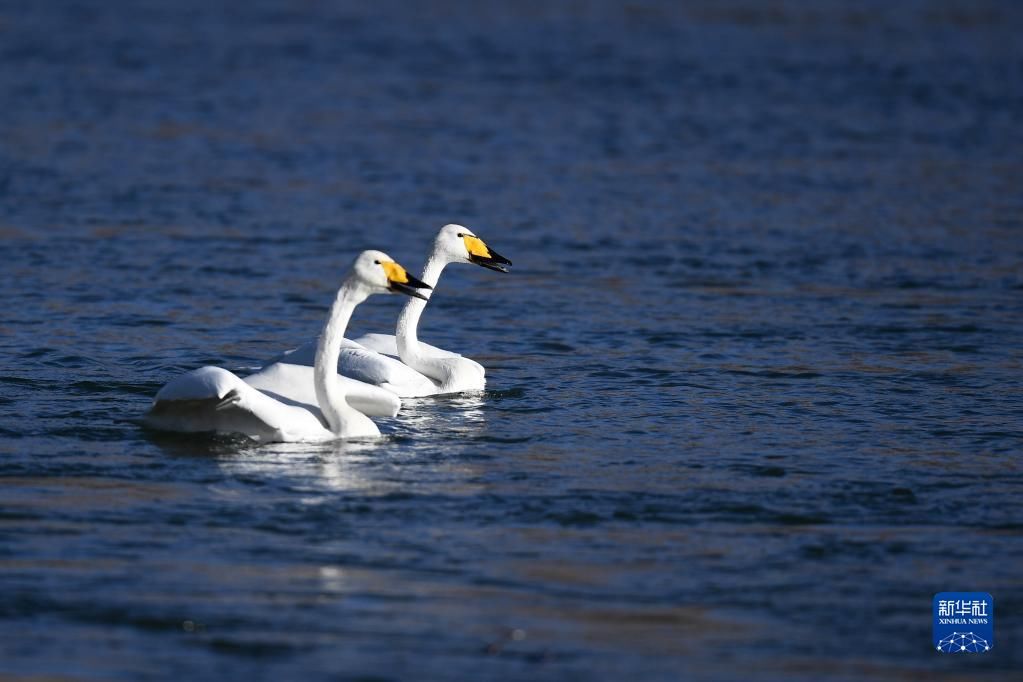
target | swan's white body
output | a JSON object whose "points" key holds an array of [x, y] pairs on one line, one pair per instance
{"points": [[288, 403], [213, 399], [422, 369]]}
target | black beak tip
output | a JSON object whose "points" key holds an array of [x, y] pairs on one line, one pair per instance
{"points": [[409, 288], [495, 262], [417, 283]]}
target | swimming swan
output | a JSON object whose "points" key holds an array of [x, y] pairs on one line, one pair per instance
{"points": [[423, 369], [213, 399]]}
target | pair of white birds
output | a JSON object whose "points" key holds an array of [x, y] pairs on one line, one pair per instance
{"points": [[300, 397]]}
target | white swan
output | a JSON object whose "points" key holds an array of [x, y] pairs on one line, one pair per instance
{"points": [[423, 369], [213, 399]]}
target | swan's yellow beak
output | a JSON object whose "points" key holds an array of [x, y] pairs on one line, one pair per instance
{"points": [[481, 254], [399, 281]]}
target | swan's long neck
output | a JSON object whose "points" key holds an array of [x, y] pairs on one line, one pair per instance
{"points": [[409, 349], [329, 391]]}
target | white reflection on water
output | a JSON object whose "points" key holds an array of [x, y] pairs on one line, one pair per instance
{"points": [[431, 431], [339, 466], [443, 418]]}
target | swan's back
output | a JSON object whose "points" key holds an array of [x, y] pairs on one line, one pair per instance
{"points": [[387, 344], [286, 381], [211, 399]]}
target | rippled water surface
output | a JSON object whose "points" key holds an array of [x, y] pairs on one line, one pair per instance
{"points": [[755, 388]]}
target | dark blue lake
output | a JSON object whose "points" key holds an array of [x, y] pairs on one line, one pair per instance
{"points": [[755, 382]]}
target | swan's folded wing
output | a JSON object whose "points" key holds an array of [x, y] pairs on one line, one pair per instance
{"points": [[295, 383], [388, 345], [386, 372], [356, 362], [385, 344], [305, 354], [213, 399], [199, 384]]}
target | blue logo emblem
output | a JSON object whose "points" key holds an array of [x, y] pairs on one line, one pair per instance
{"points": [[964, 622]]}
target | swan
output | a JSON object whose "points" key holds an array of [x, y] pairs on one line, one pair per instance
{"points": [[373, 358], [214, 399]]}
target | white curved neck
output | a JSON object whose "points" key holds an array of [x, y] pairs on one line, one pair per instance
{"points": [[409, 349], [330, 393]]}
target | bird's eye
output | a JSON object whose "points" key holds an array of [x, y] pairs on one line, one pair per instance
{"points": [[377, 262], [460, 234]]}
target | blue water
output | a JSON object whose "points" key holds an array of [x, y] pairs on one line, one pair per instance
{"points": [[755, 381]]}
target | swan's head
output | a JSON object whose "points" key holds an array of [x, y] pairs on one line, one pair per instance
{"points": [[379, 271], [460, 245]]}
